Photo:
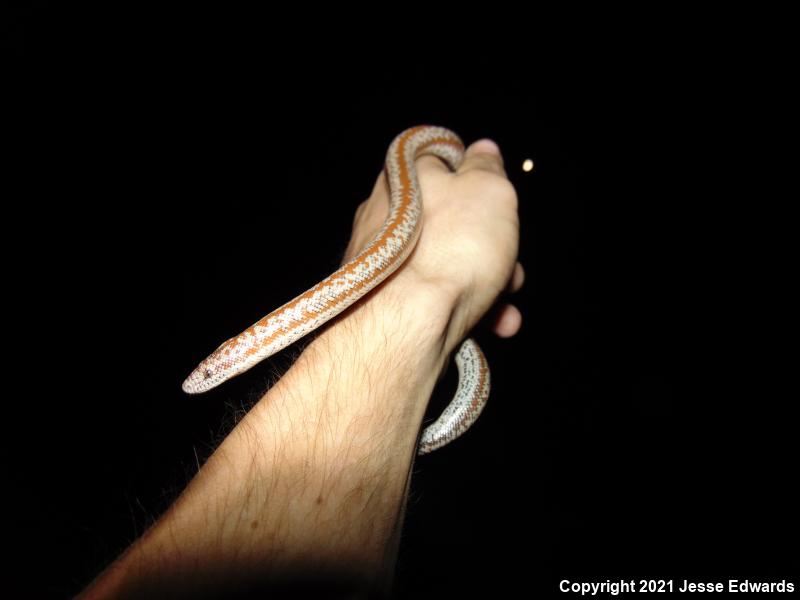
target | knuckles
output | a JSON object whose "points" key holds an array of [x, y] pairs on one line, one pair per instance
{"points": [[486, 183]]}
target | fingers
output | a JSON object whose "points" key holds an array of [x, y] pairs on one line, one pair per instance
{"points": [[517, 278], [483, 155], [507, 322], [507, 318]]}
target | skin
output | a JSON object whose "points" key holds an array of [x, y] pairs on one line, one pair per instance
{"points": [[307, 492]]}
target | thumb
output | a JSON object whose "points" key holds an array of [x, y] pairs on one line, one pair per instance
{"points": [[483, 155]]}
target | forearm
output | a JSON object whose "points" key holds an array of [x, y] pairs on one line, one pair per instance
{"points": [[312, 481]]}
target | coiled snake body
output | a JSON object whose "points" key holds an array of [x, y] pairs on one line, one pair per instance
{"points": [[379, 259]]}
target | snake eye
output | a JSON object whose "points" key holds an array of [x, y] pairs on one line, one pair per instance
{"points": [[207, 374]]}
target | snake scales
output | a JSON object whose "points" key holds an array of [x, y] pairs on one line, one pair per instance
{"points": [[379, 259]]}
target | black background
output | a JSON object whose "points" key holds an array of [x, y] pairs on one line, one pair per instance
{"points": [[168, 172]]}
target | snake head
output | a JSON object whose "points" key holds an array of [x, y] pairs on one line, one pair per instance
{"points": [[202, 379]]}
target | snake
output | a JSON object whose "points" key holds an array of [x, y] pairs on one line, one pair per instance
{"points": [[382, 256]]}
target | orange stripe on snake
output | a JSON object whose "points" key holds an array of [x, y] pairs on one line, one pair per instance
{"points": [[380, 258]]}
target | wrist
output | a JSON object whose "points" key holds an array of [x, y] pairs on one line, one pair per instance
{"points": [[408, 325], [375, 365]]}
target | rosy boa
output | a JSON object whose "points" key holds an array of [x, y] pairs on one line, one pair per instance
{"points": [[379, 259]]}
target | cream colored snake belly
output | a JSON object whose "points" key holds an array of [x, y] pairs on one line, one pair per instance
{"points": [[379, 259]]}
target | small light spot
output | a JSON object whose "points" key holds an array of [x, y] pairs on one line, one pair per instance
{"points": [[527, 165]]}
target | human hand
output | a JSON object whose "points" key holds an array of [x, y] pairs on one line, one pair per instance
{"points": [[466, 254]]}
